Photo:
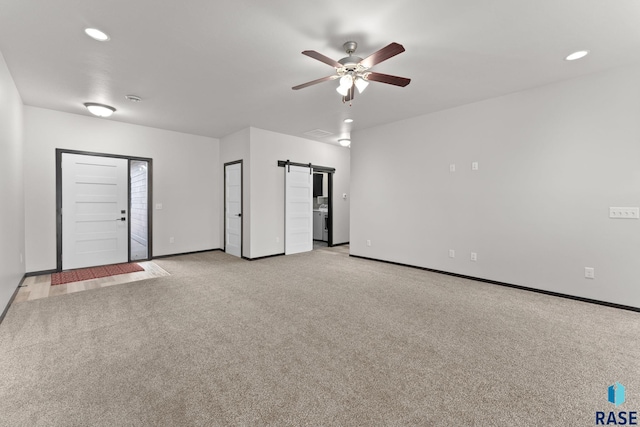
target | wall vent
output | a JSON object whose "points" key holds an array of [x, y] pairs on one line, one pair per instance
{"points": [[318, 133]]}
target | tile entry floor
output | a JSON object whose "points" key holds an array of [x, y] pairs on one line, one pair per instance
{"points": [[36, 287]]}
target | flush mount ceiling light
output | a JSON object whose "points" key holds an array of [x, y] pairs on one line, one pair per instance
{"points": [[348, 120], [577, 55], [345, 142], [99, 110]]}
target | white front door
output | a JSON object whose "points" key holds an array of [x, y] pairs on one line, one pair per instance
{"points": [[298, 209], [233, 209], [94, 211]]}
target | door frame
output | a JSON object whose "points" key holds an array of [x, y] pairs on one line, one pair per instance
{"points": [[59, 153], [224, 207], [329, 171]]}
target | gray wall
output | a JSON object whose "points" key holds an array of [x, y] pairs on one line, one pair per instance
{"points": [[185, 179], [552, 160], [12, 266]]}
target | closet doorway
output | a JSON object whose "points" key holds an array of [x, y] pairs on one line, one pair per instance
{"points": [[233, 208], [308, 206]]}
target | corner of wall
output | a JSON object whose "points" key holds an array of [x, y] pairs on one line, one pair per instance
{"points": [[12, 226]]}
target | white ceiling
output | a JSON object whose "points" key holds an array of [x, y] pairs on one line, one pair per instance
{"points": [[215, 67]]}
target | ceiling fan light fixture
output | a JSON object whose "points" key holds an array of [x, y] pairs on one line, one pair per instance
{"points": [[355, 71], [343, 90], [346, 80], [99, 110], [345, 142], [346, 83], [361, 84]]}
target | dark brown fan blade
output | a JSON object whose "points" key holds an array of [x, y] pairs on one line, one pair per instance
{"points": [[320, 57], [382, 55], [314, 82], [386, 78]]}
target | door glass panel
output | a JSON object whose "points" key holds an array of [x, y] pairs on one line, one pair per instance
{"points": [[139, 209]]}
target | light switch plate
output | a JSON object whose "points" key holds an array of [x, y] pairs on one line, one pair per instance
{"points": [[589, 273]]}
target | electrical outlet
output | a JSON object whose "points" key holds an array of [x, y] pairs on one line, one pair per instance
{"points": [[474, 166], [452, 253], [172, 240], [474, 256], [158, 206], [624, 213], [368, 242], [589, 273], [452, 167]]}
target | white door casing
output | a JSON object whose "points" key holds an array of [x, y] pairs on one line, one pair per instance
{"points": [[94, 195], [298, 209], [233, 209]]}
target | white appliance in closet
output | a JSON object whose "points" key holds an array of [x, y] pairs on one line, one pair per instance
{"points": [[320, 223]]}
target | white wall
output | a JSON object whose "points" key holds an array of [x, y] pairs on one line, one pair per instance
{"points": [[552, 160], [232, 148], [12, 266], [267, 186], [186, 179]]}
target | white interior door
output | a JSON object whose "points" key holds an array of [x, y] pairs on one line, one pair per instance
{"points": [[298, 210], [94, 211], [233, 209]]}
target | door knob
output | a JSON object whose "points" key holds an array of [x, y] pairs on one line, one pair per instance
{"points": [[239, 214]]}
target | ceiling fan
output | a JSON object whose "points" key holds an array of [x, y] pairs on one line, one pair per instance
{"points": [[353, 71]]}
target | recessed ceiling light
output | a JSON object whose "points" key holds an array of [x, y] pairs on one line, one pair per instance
{"points": [[99, 110], [133, 98], [577, 55], [348, 120], [344, 142], [96, 34]]}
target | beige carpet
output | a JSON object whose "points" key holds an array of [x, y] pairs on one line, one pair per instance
{"points": [[312, 339]]}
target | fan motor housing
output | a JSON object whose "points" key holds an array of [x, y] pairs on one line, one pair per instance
{"points": [[350, 62]]}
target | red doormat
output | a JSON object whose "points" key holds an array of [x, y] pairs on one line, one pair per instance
{"points": [[93, 273]]}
